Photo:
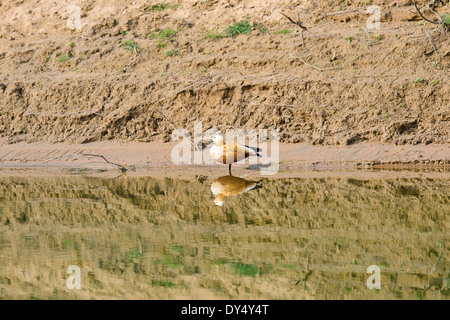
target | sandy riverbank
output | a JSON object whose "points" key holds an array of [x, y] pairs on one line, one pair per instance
{"points": [[157, 155]]}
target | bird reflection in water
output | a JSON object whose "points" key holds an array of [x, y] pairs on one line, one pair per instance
{"points": [[227, 186]]}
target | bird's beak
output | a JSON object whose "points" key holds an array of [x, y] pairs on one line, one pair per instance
{"points": [[202, 145]]}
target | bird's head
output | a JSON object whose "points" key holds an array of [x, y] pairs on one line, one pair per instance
{"points": [[218, 140]]}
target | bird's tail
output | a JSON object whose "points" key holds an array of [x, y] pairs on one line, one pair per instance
{"points": [[255, 149]]}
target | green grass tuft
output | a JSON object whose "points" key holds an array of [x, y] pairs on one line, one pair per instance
{"points": [[163, 34], [129, 45], [161, 283], [171, 53], [244, 269], [242, 27], [63, 58], [158, 7], [283, 31], [446, 18]]}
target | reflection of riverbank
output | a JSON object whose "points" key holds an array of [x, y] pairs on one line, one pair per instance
{"points": [[166, 239]]}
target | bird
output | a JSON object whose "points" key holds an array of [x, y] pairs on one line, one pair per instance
{"points": [[227, 186], [231, 153]]}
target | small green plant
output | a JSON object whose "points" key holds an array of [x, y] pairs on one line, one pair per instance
{"points": [[133, 255], [283, 31], [129, 45], [171, 53], [162, 36], [123, 32], [378, 37], [419, 80], [436, 64], [446, 18], [245, 269], [167, 33], [260, 28], [219, 262], [71, 44], [242, 27], [75, 69], [202, 69], [419, 295], [63, 58], [160, 283], [170, 261], [434, 82], [158, 7], [349, 39]]}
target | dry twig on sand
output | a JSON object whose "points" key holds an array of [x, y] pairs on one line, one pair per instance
{"points": [[431, 40], [121, 167], [299, 24], [431, 8]]}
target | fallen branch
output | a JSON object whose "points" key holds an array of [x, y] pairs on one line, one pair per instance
{"points": [[430, 21], [121, 167], [431, 40], [299, 24]]}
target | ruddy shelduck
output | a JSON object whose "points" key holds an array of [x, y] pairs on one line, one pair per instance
{"points": [[231, 153]]}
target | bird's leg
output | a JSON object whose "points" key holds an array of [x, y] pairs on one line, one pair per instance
{"points": [[229, 169]]}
